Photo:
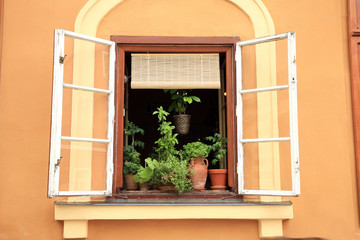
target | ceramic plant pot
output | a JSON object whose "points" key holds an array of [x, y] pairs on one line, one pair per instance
{"points": [[182, 123], [199, 169], [130, 183], [218, 179], [144, 187]]}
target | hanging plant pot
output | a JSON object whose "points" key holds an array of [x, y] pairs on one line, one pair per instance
{"points": [[218, 179], [199, 168], [182, 123]]}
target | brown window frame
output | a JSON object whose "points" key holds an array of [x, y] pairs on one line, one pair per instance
{"points": [[175, 45], [354, 49]]}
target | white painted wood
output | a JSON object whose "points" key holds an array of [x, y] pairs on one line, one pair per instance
{"points": [[293, 113], [56, 138], [56, 116], [294, 142], [261, 140], [88, 38], [270, 193], [78, 139], [88, 89], [256, 90], [263, 40], [239, 117], [84, 193]]}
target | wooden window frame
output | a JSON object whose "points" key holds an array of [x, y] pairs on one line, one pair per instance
{"points": [[150, 44], [354, 49]]}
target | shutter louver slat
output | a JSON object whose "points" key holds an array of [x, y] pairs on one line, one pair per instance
{"points": [[175, 71]]}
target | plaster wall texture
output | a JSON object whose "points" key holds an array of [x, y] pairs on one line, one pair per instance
{"points": [[327, 206]]}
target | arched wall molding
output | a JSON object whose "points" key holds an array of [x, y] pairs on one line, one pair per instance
{"points": [[87, 23]]}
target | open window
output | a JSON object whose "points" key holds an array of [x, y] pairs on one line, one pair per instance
{"points": [[82, 116], [266, 139], [88, 146]]}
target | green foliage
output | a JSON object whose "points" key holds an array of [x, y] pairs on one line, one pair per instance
{"points": [[218, 147], [144, 174], [165, 145], [131, 155], [169, 168], [195, 149], [174, 172], [180, 100]]}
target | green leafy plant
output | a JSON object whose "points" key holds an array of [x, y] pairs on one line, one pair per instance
{"points": [[195, 149], [169, 169], [180, 100], [145, 174], [218, 148], [130, 154]]}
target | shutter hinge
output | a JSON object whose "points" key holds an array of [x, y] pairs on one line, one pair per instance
{"points": [[62, 59]]}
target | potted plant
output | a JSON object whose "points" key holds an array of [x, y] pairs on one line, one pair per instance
{"points": [[169, 170], [218, 177], [144, 174], [131, 156], [180, 100], [196, 153]]}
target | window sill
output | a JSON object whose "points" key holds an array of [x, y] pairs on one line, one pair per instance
{"points": [[76, 214]]}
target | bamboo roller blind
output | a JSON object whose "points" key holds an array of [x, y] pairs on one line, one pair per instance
{"points": [[175, 71]]}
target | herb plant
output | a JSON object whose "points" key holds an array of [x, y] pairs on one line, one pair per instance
{"points": [[218, 148], [180, 100], [169, 168], [131, 155], [195, 149]]}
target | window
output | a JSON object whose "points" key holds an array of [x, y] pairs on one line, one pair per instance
{"points": [[94, 155]]}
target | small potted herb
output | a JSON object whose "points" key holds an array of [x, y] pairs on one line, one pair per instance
{"points": [[218, 177], [131, 156], [196, 153], [180, 100], [169, 170]]}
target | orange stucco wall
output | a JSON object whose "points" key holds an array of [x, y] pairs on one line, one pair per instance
{"points": [[327, 206]]}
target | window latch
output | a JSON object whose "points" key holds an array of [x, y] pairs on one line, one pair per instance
{"points": [[62, 59], [57, 164]]}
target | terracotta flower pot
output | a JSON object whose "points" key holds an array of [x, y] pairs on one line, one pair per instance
{"points": [[130, 183], [199, 168], [144, 187], [182, 123], [218, 179]]}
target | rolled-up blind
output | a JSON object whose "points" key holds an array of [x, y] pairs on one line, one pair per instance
{"points": [[175, 71]]}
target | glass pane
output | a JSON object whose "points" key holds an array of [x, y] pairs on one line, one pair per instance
{"points": [[267, 166], [266, 114], [87, 162], [85, 114], [93, 57], [253, 65]]}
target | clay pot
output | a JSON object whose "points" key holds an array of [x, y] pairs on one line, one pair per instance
{"points": [[199, 169], [182, 123], [144, 187], [130, 183], [218, 179], [167, 188]]}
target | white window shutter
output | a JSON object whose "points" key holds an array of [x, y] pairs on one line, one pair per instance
{"points": [[293, 138], [57, 114]]}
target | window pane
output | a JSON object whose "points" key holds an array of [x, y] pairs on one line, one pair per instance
{"points": [[99, 78], [258, 167], [87, 162], [84, 114], [252, 76], [262, 121]]}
